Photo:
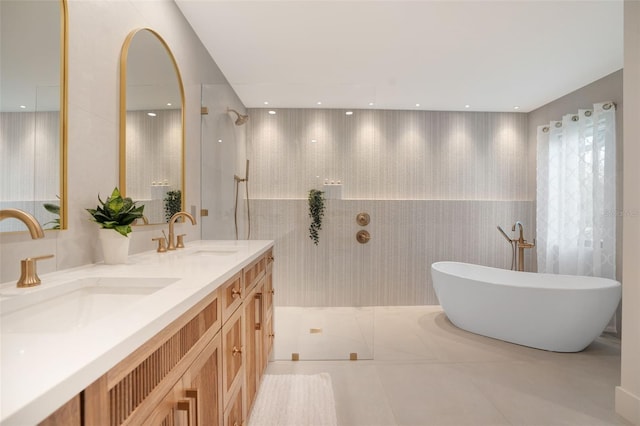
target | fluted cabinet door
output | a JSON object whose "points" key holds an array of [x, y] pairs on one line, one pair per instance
{"points": [[203, 385]]}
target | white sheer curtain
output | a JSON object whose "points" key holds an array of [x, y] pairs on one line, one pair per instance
{"points": [[576, 194]]}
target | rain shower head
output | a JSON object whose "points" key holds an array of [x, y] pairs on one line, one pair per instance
{"points": [[241, 119]]}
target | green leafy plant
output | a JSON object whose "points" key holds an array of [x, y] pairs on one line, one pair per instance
{"points": [[316, 213], [116, 213], [53, 209], [172, 204]]}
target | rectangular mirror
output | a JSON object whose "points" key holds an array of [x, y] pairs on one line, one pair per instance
{"points": [[33, 106]]}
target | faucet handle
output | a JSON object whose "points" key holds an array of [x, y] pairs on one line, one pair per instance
{"points": [[162, 247], [180, 242], [28, 272]]}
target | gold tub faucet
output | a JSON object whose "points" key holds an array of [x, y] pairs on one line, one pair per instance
{"points": [[28, 274], [172, 244], [522, 244]]}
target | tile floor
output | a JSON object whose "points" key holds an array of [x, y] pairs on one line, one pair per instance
{"points": [[425, 371], [323, 333]]}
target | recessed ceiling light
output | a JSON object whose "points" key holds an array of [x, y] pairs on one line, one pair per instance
{"points": [[349, 113], [467, 106], [319, 103], [168, 103], [516, 107], [371, 104], [417, 105], [151, 114], [272, 112], [314, 140], [23, 106], [266, 102], [219, 140]]}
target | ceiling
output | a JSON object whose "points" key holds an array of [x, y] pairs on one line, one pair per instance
{"points": [[445, 55]]}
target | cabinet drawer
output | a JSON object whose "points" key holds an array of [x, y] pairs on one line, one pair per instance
{"points": [[203, 385], [232, 293], [255, 271]]}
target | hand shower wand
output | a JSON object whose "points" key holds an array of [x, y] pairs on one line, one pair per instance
{"points": [[238, 180]]}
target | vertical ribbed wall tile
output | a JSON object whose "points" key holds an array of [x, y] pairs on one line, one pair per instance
{"points": [[30, 164], [436, 184]]}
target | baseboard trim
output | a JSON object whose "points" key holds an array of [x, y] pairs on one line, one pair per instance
{"points": [[628, 405]]}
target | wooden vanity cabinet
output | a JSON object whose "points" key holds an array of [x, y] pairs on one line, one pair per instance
{"points": [[146, 387], [204, 369]]}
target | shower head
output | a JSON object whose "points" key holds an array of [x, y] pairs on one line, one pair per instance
{"points": [[241, 119]]}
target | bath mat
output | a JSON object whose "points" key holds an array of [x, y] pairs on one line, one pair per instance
{"points": [[294, 400]]}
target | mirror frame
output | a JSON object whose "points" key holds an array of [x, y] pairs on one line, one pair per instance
{"points": [[123, 113], [64, 91]]}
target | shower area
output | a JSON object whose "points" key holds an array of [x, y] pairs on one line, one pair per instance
{"points": [[431, 185]]}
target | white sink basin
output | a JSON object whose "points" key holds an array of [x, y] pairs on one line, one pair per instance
{"points": [[73, 305]]}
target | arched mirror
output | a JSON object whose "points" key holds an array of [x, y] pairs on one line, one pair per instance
{"points": [[33, 111], [151, 126]]}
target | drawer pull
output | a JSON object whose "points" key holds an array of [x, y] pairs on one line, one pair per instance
{"points": [[235, 351], [193, 394], [185, 406], [258, 325], [271, 258], [236, 293]]}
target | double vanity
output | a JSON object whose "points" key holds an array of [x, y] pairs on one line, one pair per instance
{"points": [[177, 338]]}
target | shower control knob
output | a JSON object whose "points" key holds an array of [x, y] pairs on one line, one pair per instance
{"points": [[363, 219], [363, 237]]}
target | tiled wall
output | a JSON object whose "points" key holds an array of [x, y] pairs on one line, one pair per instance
{"points": [[29, 153], [436, 184]]}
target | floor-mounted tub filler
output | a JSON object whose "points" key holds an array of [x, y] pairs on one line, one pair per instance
{"points": [[559, 313]]}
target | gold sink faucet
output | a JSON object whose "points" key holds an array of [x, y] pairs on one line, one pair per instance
{"points": [[172, 245], [32, 224], [28, 274]]}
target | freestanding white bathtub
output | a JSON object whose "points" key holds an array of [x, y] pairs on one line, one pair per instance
{"points": [[559, 313]]}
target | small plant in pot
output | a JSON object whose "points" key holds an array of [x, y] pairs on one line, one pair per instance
{"points": [[115, 216]]}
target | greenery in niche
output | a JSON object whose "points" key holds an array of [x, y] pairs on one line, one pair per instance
{"points": [[172, 204], [316, 213], [116, 213]]}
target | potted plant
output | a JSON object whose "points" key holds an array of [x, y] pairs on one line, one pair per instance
{"points": [[316, 213], [115, 216]]}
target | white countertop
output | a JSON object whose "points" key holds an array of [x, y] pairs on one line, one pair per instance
{"points": [[39, 372]]}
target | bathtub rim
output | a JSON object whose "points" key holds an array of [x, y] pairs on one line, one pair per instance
{"points": [[534, 280]]}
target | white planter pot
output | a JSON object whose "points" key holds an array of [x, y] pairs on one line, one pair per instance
{"points": [[115, 246]]}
